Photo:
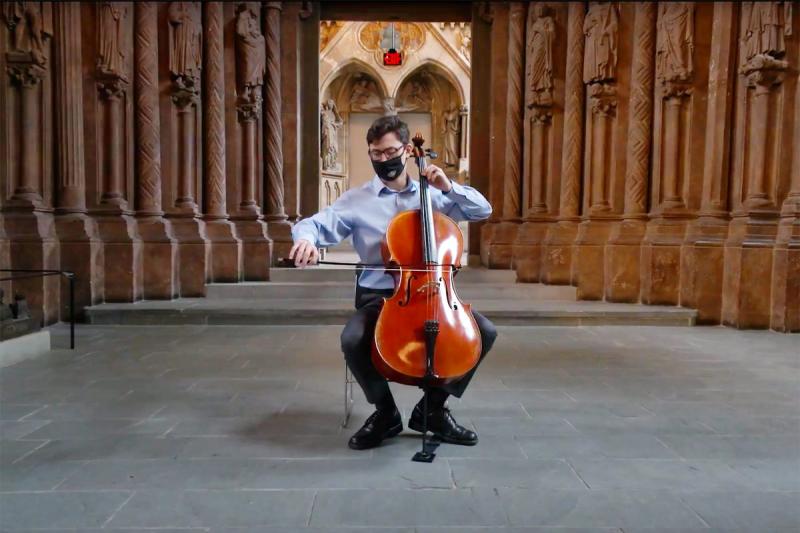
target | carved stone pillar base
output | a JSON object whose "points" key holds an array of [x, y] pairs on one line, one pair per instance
{"points": [[81, 253], [34, 246], [661, 261], [785, 314], [256, 249], [160, 270], [527, 250], [589, 258], [226, 252], [702, 268], [557, 254], [122, 252], [487, 234], [501, 247], [281, 234], [747, 280], [622, 261], [193, 255]]}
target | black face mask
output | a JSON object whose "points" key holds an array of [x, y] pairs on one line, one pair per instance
{"points": [[391, 169]]}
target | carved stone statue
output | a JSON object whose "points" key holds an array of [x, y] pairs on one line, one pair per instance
{"points": [[111, 49], [330, 122], [450, 130], [675, 41], [414, 96], [600, 30], [365, 96], [765, 28], [29, 34], [251, 52], [389, 108], [540, 55], [185, 54], [465, 40]]}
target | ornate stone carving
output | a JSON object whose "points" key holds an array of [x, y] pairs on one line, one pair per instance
{"points": [[111, 60], [273, 137], [327, 31], [765, 25], [600, 28], [514, 108], [365, 96], [464, 39], [112, 87], [389, 107], [30, 31], [603, 99], [25, 75], [641, 115], [415, 95], [185, 51], [539, 76], [214, 115], [675, 41], [573, 114], [450, 129], [375, 37], [330, 122], [148, 123], [250, 54]]}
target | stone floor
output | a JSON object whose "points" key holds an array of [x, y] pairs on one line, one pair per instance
{"points": [[226, 428]]}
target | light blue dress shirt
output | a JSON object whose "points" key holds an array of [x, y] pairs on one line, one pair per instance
{"points": [[365, 213]]}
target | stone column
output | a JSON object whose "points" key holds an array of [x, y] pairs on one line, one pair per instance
{"points": [[250, 226], [622, 252], [505, 232], [226, 248], [186, 60], [122, 246], [463, 114], [541, 145], [278, 227], [785, 311], [765, 97], [702, 253], [29, 223], [290, 91], [80, 249], [160, 270], [557, 255], [603, 163]]}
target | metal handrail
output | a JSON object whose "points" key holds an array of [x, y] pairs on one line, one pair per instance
{"points": [[32, 273]]}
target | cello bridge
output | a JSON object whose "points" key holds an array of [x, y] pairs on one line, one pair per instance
{"points": [[433, 286]]}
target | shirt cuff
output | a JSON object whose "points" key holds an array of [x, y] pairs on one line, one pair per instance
{"points": [[456, 188]]}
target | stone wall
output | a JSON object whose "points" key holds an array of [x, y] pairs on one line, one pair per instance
{"points": [[642, 152], [142, 145], [651, 153]]}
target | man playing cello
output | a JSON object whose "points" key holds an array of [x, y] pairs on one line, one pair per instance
{"points": [[364, 213]]}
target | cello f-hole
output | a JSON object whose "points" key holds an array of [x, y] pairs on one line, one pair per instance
{"points": [[404, 303]]}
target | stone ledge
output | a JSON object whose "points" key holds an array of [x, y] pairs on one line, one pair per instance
{"points": [[18, 349]]}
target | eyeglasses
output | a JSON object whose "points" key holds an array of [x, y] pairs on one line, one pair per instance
{"points": [[389, 153]]}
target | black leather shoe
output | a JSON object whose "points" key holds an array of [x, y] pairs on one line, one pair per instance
{"points": [[442, 424], [380, 425]]}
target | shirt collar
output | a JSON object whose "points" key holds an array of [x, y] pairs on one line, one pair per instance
{"points": [[378, 186]]}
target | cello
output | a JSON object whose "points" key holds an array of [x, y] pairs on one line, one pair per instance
{"points": [[424, 335]]}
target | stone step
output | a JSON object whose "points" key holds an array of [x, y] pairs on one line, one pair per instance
{"points": [[303, 311], [345, 289], [339, 273]]}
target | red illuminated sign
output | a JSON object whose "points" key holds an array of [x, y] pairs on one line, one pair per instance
{"points": [[392, 58]]}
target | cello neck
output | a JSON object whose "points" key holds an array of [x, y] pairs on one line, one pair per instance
{"points": [[429, 254]]}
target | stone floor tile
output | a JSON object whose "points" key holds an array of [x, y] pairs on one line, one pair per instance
{"points": [[769, 475], [752, 511], [595, 445], [779, 446], [673, 474], [17, 429], [215, 508], [407, 508], [590, 508], [68, 510], [107, 448], [514, 473]]}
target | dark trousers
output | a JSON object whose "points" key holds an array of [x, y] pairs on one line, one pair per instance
{"points": [[357, 339]]}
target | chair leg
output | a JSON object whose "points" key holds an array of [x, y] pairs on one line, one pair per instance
{"points": [[348, 395]]}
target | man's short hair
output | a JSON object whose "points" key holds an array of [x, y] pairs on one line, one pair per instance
{"points": [[390, 124]]}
